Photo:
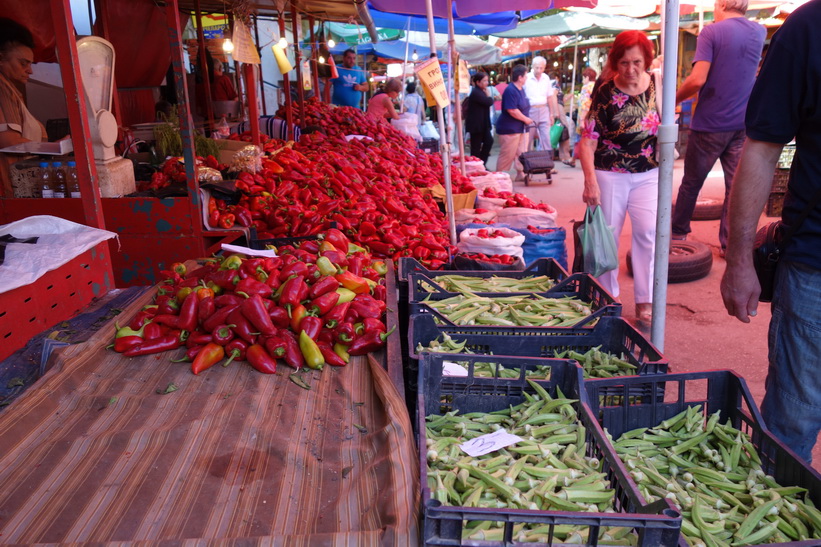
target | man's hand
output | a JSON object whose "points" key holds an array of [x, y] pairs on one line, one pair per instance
{"points": [[740, 290]]}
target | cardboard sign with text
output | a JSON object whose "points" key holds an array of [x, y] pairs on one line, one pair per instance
{"points": [[430, 74], [464, 77], [245, 51]]}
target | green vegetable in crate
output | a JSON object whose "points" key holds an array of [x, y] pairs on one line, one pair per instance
{"points": [[468, 285], [512, 311], [712, 472], [548, 470]]}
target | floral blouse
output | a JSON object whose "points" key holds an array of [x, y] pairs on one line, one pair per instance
{"points": [[625, 127]]}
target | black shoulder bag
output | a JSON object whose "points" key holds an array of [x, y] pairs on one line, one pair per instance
{"points": [[770, 242]]}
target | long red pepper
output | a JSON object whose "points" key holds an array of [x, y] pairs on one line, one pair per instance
{"points": [[209, 355], [219, 318], [323, 304], [188, 313], [158, 345], [242, 327], [254, 310], [206, 309], [124, 343], [368, 342], [276, 346], [290, 290], [329, 355], [279, 316], [293, 355], [260, 360], [336, 315], [323, 286]]}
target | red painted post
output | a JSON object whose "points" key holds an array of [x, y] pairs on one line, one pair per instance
{"points": [[77, 113], [314, 59], [101, 8], [172, 18], [253, 111], [286, 88], [300, 89], [209, 110], [261, 77]]}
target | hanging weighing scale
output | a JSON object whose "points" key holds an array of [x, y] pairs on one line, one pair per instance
{"points": [[96, 57]]}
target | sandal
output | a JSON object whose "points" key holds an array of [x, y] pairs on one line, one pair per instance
{"points": [[644, 312]]}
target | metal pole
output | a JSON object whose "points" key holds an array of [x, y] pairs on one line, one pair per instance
{"points": [[261, 77], [444, 145], [573, 77], [286, 88], [457, 106], [667, 136], [405, 63], [314, 60], [300, 89], [77, 113], [209, 112]]}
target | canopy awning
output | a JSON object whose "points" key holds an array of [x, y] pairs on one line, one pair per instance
{"points": [[469, 8], [574, 22]]}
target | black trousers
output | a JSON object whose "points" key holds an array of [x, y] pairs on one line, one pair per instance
{"points": [[480, 144]]}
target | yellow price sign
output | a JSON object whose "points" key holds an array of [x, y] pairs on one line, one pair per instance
{"points": [[430, 75]]}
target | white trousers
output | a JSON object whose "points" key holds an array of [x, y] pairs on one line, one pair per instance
{"points": [[513, 146], [635, 194], [541, 126]]}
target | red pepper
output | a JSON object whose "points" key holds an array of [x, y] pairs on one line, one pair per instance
{"points": [[167, 320], [223, 334], [292, 270], [214, 218], [226, 279], [323, 304], [273, 280], [355, 265], [168, 306], [298, 313], [368, 342], [152, 331], [242, 216], [353, 282], [206, 309], [226, 221], [339, 258], [188, 313], [219, 318], [228, 300], [209, 355], [254, 310], [291, 290], [142, 317], [251, 286], [330, 355], [364, 309], [370, 273], [371, 324], [279, 317], [345, 333], [190, 354], [158, 345], [336, 315], [276, 346], [293, 355], [309, 246], [242, 327], [198, 338], [260, 359], [235, 350], [311, 325], [126, 342], [326, 335], [380, 293]]}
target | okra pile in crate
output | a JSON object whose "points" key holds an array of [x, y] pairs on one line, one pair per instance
{"points": [[712, 472], [494, 284], [522, 311]]}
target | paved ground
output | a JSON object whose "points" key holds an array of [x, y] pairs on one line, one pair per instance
{"points": [[699, 335]]}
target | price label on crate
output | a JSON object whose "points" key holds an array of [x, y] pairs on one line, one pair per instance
{"points": [[489, 443], [449, 368]]}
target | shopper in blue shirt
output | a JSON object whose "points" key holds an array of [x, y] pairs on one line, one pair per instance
{"points": [[512, 123], [351, 83]]}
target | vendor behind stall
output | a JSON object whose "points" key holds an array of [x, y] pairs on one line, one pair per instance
{"points": [[17, 124]]}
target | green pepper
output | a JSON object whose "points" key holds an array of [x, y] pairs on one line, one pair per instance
{"points": [[345, 295], [233, 262], [311, 352], [128, 331], [326, 267]]}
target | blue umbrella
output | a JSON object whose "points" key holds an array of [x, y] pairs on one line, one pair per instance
{"points": [[490, 23]]}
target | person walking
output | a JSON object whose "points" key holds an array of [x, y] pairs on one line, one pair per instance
{"points": [[785, 103], [511, 127], [350, 84], [541, 94], [477, 121], [617, 153], [414, 103], [724, 68]]}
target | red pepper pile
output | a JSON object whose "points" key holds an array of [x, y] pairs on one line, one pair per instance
{"points": [[485, 233], [534, 230], [496, 259], [516, 200], [173, 171], [313, 305]]}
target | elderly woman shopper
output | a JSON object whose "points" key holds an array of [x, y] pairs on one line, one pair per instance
{"points": [[511, 127], [381, 105], [477, 122], [617, 154]]}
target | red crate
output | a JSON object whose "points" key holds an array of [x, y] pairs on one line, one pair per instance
{"points": [[56, 296]]}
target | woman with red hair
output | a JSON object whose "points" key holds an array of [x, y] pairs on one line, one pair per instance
{"points": [[618, 157]]}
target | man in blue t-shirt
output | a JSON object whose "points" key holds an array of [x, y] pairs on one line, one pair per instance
{"points": [[351, 83], [785, 104], [724, 67]]}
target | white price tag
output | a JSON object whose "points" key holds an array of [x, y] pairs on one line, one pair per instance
{"points": [[449, 368], [489, 443]]}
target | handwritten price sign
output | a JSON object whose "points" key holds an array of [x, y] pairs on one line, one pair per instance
{"points": [[489, 443]]}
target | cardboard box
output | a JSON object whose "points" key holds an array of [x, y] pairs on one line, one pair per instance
{"points": [[460, 201], [229, 148]]}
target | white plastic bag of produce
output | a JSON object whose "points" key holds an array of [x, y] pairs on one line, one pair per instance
{"points": [[428, 131], [468, 216], [500, 182], [407, 123], [522, 217], [491, 241], [491, 204]]}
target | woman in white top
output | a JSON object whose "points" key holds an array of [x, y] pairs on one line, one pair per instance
{"points": [[414, 102]]}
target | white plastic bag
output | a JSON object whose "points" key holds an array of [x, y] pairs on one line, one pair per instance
{"points": [[407, 123], [467, 216], [510, 242], [491, 204], [428, 131], [499, 182], [522, 217]]}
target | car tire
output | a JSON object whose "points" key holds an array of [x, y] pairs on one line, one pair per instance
{"points": [[708, 209], [689, 261]]}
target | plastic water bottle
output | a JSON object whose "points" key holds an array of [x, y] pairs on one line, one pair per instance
{"points": [[72, 182], [59, 177], [46, 190]]}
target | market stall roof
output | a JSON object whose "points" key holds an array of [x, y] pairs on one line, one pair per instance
{"points": [[643, 8], [574, 22], [478, 24], [329, 10], [468, 8]]}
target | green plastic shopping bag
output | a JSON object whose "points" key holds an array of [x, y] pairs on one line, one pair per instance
{"points": [[598, 244], [556, 133]]}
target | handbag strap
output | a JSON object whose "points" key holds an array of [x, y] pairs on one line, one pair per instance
{"points": [[791, 229]]}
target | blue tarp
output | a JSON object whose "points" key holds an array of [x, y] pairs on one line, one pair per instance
{"points": [[478, 24]]}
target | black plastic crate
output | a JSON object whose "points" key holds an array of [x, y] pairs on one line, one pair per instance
{"points": [[416, 291], [443, 524], [465, 385], [429, 145], [613, 334], [258, 244], [720, 390], [543, 266], [579, 285]]}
